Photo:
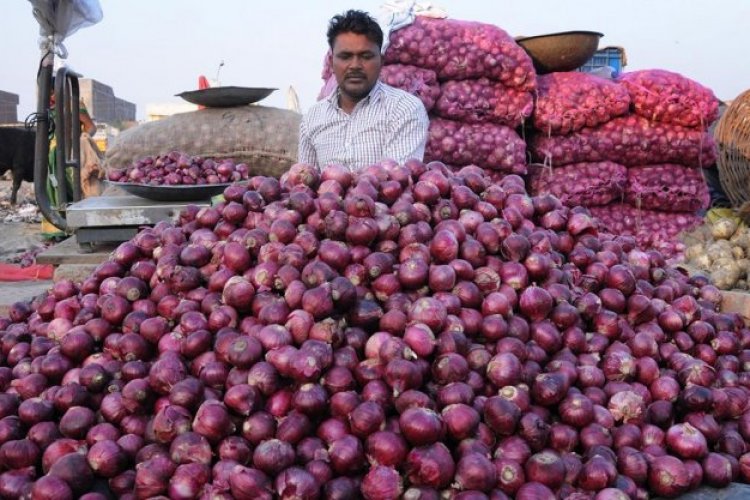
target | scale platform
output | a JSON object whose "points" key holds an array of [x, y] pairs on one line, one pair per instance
{"points": [[117, 218]]}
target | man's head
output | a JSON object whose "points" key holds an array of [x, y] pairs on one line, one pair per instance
{"points": [[355, 40]]}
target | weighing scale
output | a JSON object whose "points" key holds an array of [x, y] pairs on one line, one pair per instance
{"points": [[106, 219]]}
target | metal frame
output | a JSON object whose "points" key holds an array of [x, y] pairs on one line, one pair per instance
{"points": [[67, 133]]}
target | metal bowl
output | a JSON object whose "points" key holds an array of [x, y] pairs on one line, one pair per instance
{"points": [[199, 192], [563, 51], [226, 97]]}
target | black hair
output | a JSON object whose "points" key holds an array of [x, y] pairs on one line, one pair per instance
{"points": [[355, 21]]}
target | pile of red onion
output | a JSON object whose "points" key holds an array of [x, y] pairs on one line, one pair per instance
{"points": [[177, 168], [406, 332]]}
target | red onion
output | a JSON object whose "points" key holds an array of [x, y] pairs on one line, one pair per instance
{"points": [[74, 470], [430, 466], [382, 482], [346, 455], [107, 459], [667, 476], [717, 470], [534, 491], [51, 488], [475, 471]]}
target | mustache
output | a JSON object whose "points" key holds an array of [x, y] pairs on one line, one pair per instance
{"points": [[355, 74]]}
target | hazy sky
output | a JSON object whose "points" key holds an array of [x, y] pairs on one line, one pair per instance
{"points": [[149, 50]]}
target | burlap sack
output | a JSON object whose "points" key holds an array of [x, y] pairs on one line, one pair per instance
{"points": [[264, 138]]}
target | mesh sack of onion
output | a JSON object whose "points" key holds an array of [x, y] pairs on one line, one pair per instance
{"points": [[461, 50], [669, 97], [667, 187], [483, 101], [491, 146], [569, 101], [629, 140], [584, 184], [653, 229]]}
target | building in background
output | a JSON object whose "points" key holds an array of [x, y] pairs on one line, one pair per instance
{"points": [[8, 107], [157, 111], [103, 105]]}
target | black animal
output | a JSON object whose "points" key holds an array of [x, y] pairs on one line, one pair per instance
{"points": [[17, 155]]}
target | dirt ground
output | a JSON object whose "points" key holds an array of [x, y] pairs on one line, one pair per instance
{"points": [[21, 233]]}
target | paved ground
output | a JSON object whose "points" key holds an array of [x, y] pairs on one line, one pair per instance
{"points": [[20, 238], [19, 225], [20, 291]]}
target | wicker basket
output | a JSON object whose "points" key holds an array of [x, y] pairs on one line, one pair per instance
{"points": [[732, 136]]}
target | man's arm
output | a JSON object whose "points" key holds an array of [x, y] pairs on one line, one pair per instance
{"points": [[408, 138], [306, 150], [88, 125]]}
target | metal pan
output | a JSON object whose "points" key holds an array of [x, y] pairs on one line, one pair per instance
{"points": [[563, 51], [226, 97], [200, 192]]}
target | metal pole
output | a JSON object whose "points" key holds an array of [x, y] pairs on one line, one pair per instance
{"points": [[61, 133], [74, 159]]}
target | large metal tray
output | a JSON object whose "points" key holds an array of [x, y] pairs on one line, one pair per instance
{"points": [[200, 192], [226, 97], [563, 51]]}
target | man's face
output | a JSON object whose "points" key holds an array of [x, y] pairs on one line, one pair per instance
{"points": [[356, 64]]}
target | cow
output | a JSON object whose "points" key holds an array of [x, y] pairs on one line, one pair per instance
{"points": [[17, 155]]}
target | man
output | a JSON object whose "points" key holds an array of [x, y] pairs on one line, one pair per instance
{"points": [[364, 120]]}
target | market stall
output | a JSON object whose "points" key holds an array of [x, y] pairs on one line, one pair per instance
{"points": [[439, 329]]}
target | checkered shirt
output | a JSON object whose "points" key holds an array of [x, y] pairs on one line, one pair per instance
{"points": [[387, 124]]}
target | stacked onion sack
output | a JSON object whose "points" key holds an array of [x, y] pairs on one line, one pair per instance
{"points": [[474, 80], [406, 331], [566, 103], [663, 143]]}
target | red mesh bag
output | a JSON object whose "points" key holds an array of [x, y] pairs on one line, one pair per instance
{"points": [[671, 98], [628, 140], [459, 50], [418, 81], [568, 101], [584, 184], [483, 101], [652, 230], [667, 187], [495, 147]]}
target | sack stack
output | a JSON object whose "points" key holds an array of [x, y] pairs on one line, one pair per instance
{"points": [[663, 142]]}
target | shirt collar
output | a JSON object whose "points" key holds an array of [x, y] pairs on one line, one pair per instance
{"points": [[373, 97]]}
